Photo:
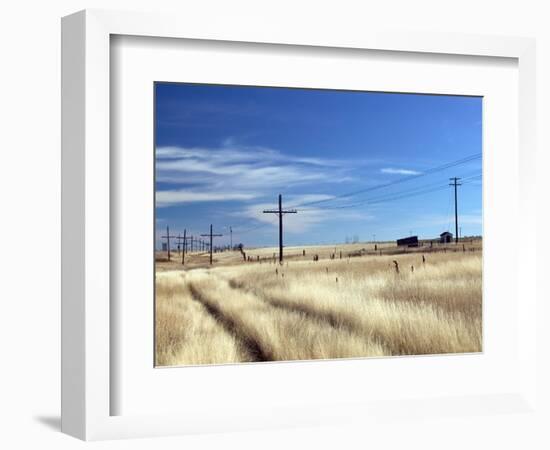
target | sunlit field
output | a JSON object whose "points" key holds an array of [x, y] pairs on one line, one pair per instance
{"points": [[352, 302]]}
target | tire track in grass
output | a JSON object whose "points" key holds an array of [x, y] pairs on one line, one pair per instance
{"points": [[332, 319], [337, 321], [251, 346], [325, 317]]}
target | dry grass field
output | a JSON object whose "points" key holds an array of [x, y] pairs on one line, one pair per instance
{"points": [[360, 306]]}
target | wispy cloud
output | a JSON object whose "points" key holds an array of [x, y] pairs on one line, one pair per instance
{"points": [[232, 153], [237, 173], [393, 171], [172, 197]]}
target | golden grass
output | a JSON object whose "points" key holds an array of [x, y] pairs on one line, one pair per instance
{"points": [[315, 310], [279, 333], [185, 332]]}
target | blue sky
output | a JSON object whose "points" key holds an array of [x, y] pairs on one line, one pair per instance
{"points": [[354, 164]]}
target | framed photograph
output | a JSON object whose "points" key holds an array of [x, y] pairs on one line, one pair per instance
{"points": [[267, 228]]}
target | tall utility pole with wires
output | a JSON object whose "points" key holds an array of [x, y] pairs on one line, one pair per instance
{"points": [[455, 183], [211, 235], [280, 212], [167, 237], [183, 241]]}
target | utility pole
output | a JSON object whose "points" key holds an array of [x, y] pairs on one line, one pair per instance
{"points": [[167, 237], [183, 241], [212, 235], [231, 238], [184, 250], [280, 212], [455, 183]]}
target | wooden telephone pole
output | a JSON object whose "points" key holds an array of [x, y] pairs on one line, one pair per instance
{"points": [[280, 212], [167, 237], [211, 235], [455, 183], [183, 240]]}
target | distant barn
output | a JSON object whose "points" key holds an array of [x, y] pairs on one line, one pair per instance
{"points": [[446, 237], [411, 241]]}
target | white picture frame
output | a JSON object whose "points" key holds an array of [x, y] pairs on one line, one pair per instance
{"points": [[86, 248]]}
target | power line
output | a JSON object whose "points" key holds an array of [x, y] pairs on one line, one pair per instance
{"points": [[413, 194], [388, 197], [400, 180], [467, 178], [421, 190], [247, 230], [432, 187]]}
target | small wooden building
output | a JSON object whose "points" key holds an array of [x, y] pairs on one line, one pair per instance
{"points": [[446, 237], [411, 241]]}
